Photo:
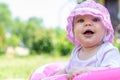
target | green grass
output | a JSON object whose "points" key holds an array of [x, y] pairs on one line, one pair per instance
{"points": [[20, 68]]}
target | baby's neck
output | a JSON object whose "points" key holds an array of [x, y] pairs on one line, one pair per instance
{"points": [[91, 48], [87, 52]]}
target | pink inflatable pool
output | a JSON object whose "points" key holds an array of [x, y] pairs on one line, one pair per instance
{"points": [[50, 69]]}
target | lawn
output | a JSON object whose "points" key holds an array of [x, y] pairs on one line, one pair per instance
{"points": [[20, 68]]}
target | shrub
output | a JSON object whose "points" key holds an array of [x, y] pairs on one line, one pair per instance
{"points": [[63, 45], [43, 45]]}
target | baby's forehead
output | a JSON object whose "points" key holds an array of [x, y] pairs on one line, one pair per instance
{"points": [[87, 15]]}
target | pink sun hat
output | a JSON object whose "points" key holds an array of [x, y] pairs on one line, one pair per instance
{"points": [[90, 7]]}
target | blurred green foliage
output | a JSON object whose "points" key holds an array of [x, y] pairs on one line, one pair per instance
{"points": [[31, 34], [63, 45], [117, 42]]}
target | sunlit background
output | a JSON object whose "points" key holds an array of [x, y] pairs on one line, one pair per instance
{"points": [[32, 33], [53, 12]]}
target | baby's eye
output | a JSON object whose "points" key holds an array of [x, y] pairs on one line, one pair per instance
{"points": [[80, 20], [96, 19]]}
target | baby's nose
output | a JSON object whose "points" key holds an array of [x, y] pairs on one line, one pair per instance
{"points": [[88, 23]]}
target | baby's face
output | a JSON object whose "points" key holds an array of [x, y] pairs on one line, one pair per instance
{"points": [[89, 30]]}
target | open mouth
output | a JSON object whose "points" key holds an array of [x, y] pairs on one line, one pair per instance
{"points": [[88, 32]]}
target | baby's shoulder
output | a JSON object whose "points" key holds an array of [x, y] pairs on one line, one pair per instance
{"points": [[107, 46], [75, 50]]}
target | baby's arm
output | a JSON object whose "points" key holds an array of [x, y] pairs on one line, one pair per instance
{"points": [[78, 70]]}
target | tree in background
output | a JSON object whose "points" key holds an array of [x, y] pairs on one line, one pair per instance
{"points": [[5, 25], [36, 37], [31, 34], [2, 38], [5, 17]]}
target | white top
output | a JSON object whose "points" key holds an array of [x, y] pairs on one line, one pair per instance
{"points": [[107, 55]]}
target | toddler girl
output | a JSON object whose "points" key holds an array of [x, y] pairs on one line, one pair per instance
{"points": [[90, 29]]}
